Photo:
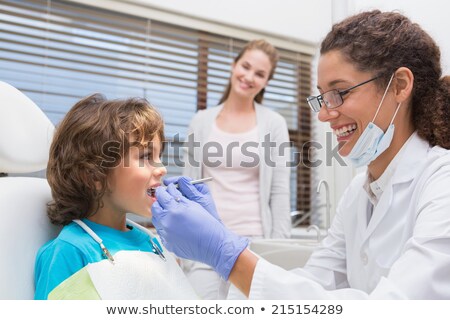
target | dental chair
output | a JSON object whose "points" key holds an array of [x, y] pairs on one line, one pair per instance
{"points": [[25, 137]]}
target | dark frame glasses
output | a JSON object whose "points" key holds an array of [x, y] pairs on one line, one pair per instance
{"points": [[333, 98]]}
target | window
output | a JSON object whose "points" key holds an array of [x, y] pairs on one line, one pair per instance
{"points": [[58, 52]]}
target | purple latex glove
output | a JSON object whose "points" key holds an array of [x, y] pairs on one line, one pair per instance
{"points": [[191, 232], [196, 192]]}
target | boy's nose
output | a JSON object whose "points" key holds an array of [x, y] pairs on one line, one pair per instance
{"points": [[161, 170]]}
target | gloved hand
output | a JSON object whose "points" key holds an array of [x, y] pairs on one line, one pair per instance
{"points": [[196, 192], [189, 231]]}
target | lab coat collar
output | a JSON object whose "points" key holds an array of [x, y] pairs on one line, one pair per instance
{"points": [[375, 188], [416, 150], [414, 154]]}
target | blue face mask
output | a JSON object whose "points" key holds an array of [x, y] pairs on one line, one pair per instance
{"points": [[373, 141]]}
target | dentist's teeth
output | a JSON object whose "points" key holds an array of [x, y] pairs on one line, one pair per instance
{"points": [[345, 130]]}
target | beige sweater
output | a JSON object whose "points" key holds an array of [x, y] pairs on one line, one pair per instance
{"points": [[273, 175]]}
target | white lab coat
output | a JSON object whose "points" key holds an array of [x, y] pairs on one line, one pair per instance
{"points": [[403, 252]]}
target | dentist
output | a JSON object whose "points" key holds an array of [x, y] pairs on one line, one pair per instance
{"points": [[382, 93]]}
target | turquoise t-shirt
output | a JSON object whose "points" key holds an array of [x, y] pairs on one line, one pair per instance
{"points": [[73, 249]]}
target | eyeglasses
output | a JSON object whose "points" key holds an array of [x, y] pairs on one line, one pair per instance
{"points": [[333, 98]]}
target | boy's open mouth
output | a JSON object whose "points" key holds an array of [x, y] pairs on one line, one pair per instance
{"points": [[151, 192]]}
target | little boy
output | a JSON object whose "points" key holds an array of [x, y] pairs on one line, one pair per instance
{"points": [[104, 163]]}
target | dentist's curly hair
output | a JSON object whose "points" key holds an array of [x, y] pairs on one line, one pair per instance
{"points": [[381, 42], [91, 140]]}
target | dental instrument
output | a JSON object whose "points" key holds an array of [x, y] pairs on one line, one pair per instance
{"points": [[152, 191], [197, 181]]}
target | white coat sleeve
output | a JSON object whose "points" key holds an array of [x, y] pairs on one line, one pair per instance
{"points": [[328, 264], [271, 282], [324, 272], [321, 278]]}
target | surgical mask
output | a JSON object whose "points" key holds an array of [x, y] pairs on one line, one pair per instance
{"points": [[373, 140]]}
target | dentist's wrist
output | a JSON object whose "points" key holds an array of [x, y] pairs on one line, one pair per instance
{"points": [[241, 275], [233, 245]]}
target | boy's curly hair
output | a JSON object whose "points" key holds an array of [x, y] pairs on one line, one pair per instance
{"points": [[91, 140]]}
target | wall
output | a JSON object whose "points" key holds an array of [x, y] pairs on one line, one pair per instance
{"points": [[293, 19]]}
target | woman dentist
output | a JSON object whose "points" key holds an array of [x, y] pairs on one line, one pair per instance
{"points": [[382, 93]]}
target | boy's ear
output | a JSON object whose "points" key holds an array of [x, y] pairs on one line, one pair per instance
{"points": [[89, 178], [404, 82], [98, 185]]}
